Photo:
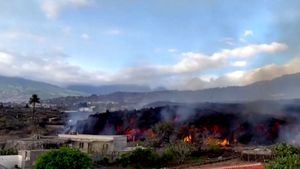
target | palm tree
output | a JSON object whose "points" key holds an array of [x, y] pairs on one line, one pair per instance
{"points": [[33, 101]]}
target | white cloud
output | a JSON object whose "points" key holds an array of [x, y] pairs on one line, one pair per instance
{"points": [[5, 58], [248, 33], [193, 62], [272, 71], [239, 78], [52, 68], [85, 36], [52, 8], [250, 50], [243, 38], [239, 63], [235, 74], [62, 72], [190, 64], [19, 35], [172, 50]]}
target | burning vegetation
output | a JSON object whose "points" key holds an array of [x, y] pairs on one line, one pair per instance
{"points": [[224, 124]]}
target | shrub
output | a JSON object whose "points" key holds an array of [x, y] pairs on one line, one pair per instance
{"points": [[287, 162], [166, 157], [284, 150], [180, 151], [102, 162], [64, 158], [8, 152], [287, 157], [140, 158], [124, 160]]}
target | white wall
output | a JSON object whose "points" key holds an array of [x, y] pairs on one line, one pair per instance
{"points": [[9, 161]]}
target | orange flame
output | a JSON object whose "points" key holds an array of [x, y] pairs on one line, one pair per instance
{"points": [[225, 142], [188, 139]]}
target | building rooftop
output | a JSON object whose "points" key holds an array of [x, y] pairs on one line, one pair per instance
{"points": [[92, 137]]}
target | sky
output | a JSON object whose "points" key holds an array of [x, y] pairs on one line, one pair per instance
{"points": [[177, 44]]}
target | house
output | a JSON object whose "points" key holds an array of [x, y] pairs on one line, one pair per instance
{"points": [[104, 145], [29, 149]]}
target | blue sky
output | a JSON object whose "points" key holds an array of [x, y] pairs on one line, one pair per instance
{"points": [[180, 44]]}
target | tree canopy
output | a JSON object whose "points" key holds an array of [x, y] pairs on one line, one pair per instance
{"points": [[64, 158], [34, 99]]}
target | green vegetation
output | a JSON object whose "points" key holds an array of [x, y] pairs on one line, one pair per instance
{"points": [[179, 151], [140, 158], [8, 152], [287, 157], [288, 162], [283, 150], [64, 158], [148, 158]]}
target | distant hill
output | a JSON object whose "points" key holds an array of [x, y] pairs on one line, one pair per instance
{"points": [[18, 89], [285, 87], [108, 89], [13, 89]]}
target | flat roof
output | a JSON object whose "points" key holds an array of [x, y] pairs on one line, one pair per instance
{"points": [[91, 137]]}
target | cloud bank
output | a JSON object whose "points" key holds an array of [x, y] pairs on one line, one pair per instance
{"points": [[53, 8], [187, 72]]}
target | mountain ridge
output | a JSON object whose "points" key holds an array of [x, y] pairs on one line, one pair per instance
{"points": [[283, 87], [107, 89], [16, 89]]}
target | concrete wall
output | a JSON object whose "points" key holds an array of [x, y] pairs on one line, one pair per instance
{"points": [[103, 148], [97, 144], [29, 157], [120, 143], [9, 161]]}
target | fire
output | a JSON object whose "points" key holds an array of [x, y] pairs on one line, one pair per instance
{"points": [[223, 143], [188, 139], [217, 142]]}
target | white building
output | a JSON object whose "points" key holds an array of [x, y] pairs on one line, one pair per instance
{"points": [[10, 161], [97, 144]]}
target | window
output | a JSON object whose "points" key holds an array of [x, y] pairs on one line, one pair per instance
{"points": [[81, 145]]}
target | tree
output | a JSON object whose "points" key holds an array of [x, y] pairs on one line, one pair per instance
{"points": [[64, 158], [164, 131], [33, 101]]}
